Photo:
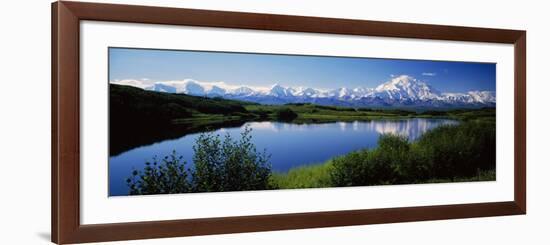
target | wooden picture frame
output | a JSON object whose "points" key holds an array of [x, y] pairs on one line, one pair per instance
{"points": [[66, 226]]}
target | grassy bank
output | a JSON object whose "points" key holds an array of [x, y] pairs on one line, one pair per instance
{"points": [[457, 153], [318, 176], [311, 113]]}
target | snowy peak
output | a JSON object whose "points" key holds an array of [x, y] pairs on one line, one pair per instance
{"points": [[343, 92], [280, 91], [405, 87], [396, 83], [187, 86], [308, 92], [191, 87], [216, 91], [243, 91], [482, 96]]}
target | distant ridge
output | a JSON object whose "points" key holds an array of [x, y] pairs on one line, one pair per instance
{"points": [[400, 91]]}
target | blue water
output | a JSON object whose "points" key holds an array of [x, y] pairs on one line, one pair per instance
{"points": [[290, 145]]}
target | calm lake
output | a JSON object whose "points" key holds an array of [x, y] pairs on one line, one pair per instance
{"points": [[290, 145]]}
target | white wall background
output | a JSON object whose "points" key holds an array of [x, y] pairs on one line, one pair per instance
{"points": [[25, 121]]}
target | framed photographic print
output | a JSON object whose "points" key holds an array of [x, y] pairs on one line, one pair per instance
{"points": [[177, 122]]}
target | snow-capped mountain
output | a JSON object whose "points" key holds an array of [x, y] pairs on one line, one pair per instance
{"points": [[243, 91], [280, 91], [400, 91], [187, 86], [406, 88]]}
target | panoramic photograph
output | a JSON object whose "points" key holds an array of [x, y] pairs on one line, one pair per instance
{"points": [[204, 121]]}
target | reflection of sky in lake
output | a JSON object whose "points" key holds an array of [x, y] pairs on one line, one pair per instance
{"points": [[290, 145]]}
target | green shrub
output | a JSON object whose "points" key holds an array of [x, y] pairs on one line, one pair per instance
{"points": [[460, 150], [285, 114], [167, 177], [229, 165], [382, 165], [220, 165], [350, 169], [262, 114]]}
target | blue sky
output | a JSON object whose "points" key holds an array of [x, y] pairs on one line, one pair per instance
{"points": [[294, 70]]}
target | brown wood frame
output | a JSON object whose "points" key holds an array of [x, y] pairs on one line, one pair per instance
{"points": [[66, 227]]}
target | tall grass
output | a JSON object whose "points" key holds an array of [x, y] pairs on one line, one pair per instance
{"points": [[312, 176]]}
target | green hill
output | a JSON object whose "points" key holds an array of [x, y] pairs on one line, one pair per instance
{"points": [[138, 117], [126, 101]]}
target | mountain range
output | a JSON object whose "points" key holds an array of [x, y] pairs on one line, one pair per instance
{"points": [[400, 91]]}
